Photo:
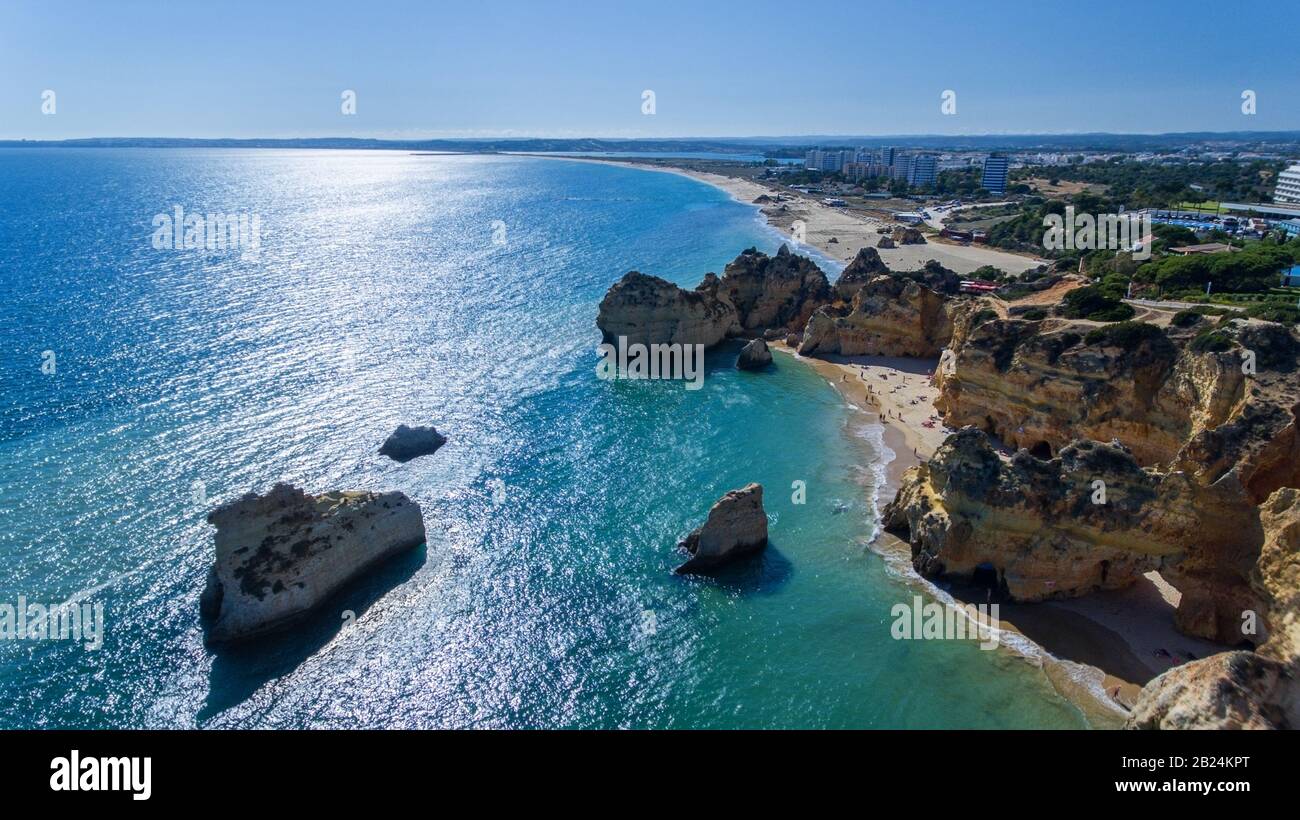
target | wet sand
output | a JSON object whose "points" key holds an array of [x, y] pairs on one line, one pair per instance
{"points": [[1097, 651]]}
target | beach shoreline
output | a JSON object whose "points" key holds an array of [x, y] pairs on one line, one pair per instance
{"points": [[1096, 651], [833, 232]]}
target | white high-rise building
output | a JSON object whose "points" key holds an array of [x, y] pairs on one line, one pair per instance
{"points": [[1287, 191], [994, 178], [922, 169]]}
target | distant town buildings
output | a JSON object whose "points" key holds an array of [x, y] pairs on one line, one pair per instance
{"points": [[922, 169], [859, 164], [919, 169], [1287, 191], [994, 179]]}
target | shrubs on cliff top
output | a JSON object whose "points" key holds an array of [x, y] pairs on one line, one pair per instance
{"points": [[1185, 318], [1126, 335], [1034, 314], [1283, 314], [1096, 303], [1211, 341]]}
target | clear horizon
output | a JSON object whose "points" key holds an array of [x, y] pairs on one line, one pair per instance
{"points": [[514, 70]]}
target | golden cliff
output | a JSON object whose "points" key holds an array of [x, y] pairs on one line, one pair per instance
{"points": [[756, 292], [1200, 482]]}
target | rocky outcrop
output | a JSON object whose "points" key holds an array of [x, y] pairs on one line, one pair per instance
{"points": [[648, 310], [867, 265], [774, 291], [756, 293], [908, 236], [890, 316], [407, 443], [1231, 690], [736, 526], [280, 555], [1040, 384], [1043, 528], [1244, 690], [886, 242], [1277, 574], [936, 277], [754, 356]]}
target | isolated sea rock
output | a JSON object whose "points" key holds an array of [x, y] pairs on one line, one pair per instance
{"points": [[754, 356], [1230, 690], [649, 310], [890, 316], [736, 526], [280, 555], [406, 443], [867, 265], [774, 291]]}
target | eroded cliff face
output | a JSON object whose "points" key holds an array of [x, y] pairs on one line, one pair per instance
{"points": [[1041, 384], [1277, 573], [1244, 690], [756, 293], [889, 316], [1230, 690], [867, 265], [1217, 441], [1048, 528], [779, 291], [647, 310]]}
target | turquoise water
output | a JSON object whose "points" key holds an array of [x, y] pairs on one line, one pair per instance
{"points": [[461, 292]]}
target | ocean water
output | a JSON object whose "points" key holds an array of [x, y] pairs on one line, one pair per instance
{"points": [[455, 291]]}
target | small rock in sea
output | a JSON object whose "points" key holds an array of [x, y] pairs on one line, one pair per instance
{"points": [[407, 443], [754, 356], [736, 526]]}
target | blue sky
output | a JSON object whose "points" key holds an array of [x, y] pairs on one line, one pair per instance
{"points": [[505, 68]]}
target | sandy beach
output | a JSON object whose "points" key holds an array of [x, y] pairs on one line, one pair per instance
{"points": [[1097, 651], [850, 232]]}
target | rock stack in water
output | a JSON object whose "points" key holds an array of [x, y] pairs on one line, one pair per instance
{"points": [[407, 443], [754, 356], [281, 554], [736, 526]]}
